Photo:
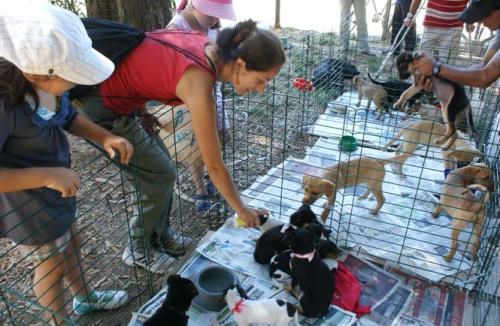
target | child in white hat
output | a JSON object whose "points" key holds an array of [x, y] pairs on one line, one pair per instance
{"points": [[45, 51]]}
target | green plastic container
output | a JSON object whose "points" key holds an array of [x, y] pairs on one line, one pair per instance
{"points": [[348, 144]]}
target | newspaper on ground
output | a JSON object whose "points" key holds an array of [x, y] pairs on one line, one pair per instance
{"points": [[431, 304], [403, 231]]}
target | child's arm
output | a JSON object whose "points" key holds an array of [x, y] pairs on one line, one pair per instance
{"points": [[83, 127], [57, 178]]}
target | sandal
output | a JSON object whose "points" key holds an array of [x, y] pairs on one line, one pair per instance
{"points": [[211, 190], [201, 203]]}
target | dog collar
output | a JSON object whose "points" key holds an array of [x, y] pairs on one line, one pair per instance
{"points": [[309, 256], [237, 307]]}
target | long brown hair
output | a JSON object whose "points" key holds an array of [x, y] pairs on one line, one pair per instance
{"points": [[13, 87], [259, 48]]}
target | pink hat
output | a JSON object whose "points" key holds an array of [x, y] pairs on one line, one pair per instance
{"points": [[222, 9]]}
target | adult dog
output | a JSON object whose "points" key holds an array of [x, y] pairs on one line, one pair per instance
{"points": [[362, 170], [450, 94], [425, 132], [461, 204]]}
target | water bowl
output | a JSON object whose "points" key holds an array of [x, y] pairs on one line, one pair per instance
{"points": [[348, 144], [211, 283]]}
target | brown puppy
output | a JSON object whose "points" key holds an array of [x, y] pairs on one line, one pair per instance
{"points": [[372, 92], [463, 207], [450, 94], [425, 133], [362, 170]]}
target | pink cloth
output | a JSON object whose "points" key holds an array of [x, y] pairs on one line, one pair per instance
{"points": [[348, 291]]}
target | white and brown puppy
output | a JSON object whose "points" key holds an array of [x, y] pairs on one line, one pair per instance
{"points": [[264, 311], [450, 94], [362, 170], [425, 132], [372, 92], [462, 205]]}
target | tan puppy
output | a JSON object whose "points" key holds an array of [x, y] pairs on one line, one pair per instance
{"points": [[177, 135], [362, 170], [463, 207], [424, 132], [372, 92]]}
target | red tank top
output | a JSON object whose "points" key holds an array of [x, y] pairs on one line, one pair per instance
{"points": [[152, 70]]}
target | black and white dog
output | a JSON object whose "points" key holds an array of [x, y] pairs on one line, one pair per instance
{"points": [[181, 291], [450, 94], [264, 311]]}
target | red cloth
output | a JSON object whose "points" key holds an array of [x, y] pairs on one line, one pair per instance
{"points": [[151, 72], [444, 13], [348, 291]]}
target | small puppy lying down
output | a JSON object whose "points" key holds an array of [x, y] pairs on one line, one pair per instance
{"points": [[361, 170], [425, 132], [271, 242], [462, 205], [372, 92], [181, 291], [264, 311], [312, 275], [450, 94]]}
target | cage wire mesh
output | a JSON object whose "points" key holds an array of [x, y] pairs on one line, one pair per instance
{"points": [[274, 140]]}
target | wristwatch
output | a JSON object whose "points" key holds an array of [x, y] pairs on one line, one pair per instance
{"points": [[437, 68]]}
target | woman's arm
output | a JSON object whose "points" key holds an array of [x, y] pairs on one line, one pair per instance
{"points": [[195, 90], [84, 127]]}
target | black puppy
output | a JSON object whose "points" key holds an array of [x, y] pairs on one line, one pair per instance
{"points": [[172, 312], [450, 94], [312, 275], [271, 242], [330, 74], [394, 90]]}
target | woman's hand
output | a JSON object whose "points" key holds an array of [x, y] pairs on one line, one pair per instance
{"points": [[63, 180], [111, 142], [251, 215]]}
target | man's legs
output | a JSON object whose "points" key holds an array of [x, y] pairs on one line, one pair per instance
{"points": [[345, 22], [361, 28]]}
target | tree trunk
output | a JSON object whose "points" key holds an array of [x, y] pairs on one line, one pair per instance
{"points": [[144, 14]]}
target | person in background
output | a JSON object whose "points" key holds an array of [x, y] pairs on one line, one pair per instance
{"points": [[442, 28], [45, 52], [204, 16], [184, 72], [486, 12], [401, 9], [345, 22]]}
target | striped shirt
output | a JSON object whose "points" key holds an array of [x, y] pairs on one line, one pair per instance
{"points": [[444, 13]]}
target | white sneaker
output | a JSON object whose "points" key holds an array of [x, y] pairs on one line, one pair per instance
{"points": [[157, 262]]}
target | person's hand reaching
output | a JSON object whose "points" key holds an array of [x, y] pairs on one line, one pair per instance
{"points": [[251, 215]]}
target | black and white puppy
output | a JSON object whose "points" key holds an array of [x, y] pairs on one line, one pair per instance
{"points": [[450, 94], [181, 291], [264, 311], [330, 74], [312, 275], [271, 242]]}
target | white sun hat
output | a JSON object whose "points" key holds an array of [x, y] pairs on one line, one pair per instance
{"points": [[222, 9], [42, 39]]}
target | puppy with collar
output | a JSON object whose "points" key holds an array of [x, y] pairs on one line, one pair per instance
{"points": [[181, 291], [450, 94], [462, 205], [425, 133], [310, 273], [372, 92], [271, 242], [361, 170], [264, 311]]}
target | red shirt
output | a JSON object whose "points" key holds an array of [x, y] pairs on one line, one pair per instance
{"points": [[444, 13], [152, 70]]}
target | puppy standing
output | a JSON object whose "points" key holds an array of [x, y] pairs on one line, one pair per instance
{"points": [[363, 170], [372, 92], [458, 202], [264, 311], [172, 312], [451, 96], [312, 275], [425, 133]]}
